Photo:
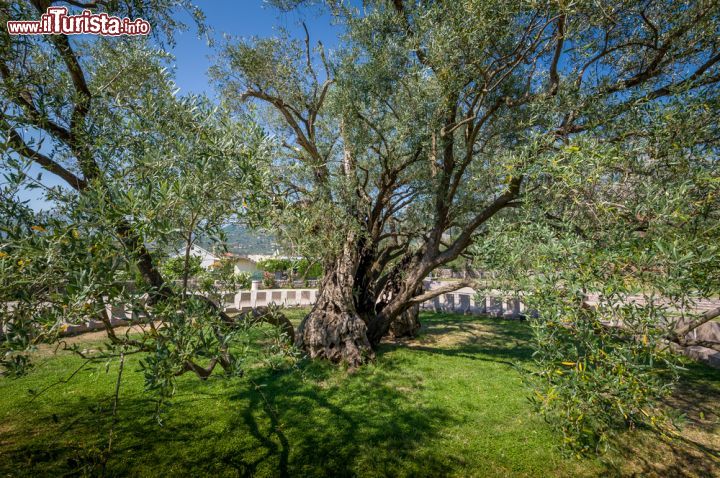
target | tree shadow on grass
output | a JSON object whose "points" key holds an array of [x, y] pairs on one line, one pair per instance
{"points": [[645, 453], [698, 396], [693, 450], [359, 425], [475, 338], [316, 421]]}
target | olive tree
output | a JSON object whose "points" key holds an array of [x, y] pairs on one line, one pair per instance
{"points": [[130, 169], [614, 250], [432, 120]]}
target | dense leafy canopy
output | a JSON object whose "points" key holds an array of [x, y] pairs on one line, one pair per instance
{"points": [[131, 171]]}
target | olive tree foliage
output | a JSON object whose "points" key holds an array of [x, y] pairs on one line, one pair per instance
{"points": [[615, 240], [132, 170], [613, 250], [432, 120]]}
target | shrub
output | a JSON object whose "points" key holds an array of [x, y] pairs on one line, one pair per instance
{"points": [[268, 280], [275, 265], [173, 268]]}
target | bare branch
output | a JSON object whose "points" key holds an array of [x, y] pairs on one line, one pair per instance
{"points": [[419, 299], [707, 316], [21, 147], [465, 237], [554, 77]]}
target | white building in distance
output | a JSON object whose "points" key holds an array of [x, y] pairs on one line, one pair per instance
{"points": [[207, 259]]}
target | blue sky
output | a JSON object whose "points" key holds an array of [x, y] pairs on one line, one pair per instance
{"points": [[239, 18]]}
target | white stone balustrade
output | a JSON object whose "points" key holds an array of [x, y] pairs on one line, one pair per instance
{"points": [[467, 301], [254, 297]]}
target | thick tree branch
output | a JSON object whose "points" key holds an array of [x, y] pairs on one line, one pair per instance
{"points": [[554, 77], [21, 147], [706, 317], [286, 111], [34, 116], [691, 81], [465, 237], [419, 299]]}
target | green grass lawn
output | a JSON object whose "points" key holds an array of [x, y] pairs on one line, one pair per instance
{"points": [[450, 403]]}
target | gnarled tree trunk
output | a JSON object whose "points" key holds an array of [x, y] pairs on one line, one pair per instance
{"points": [[356, 308], [334, 329], [406, 324]]}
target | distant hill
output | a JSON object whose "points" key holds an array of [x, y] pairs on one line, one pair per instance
{"points": [[241, 240]]}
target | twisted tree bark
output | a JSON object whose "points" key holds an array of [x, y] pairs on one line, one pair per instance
{"points": [[406, 324], [334, 329]]}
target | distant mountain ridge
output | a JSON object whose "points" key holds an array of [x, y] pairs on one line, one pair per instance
{"points": [[244, 241]]}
